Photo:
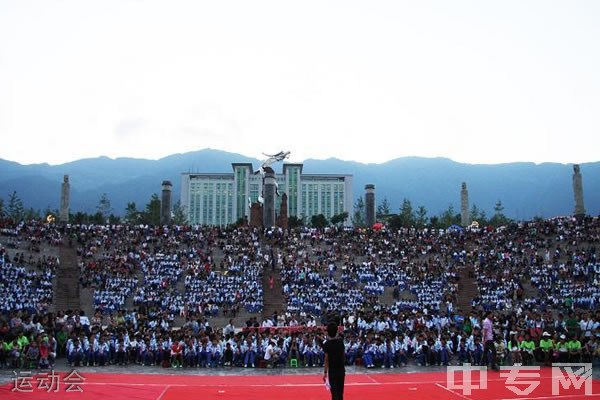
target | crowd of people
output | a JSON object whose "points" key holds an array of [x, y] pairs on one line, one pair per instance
{"points": [[539, 282]]}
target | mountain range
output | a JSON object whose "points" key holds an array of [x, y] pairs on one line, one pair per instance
{"points": [[525, 189]]}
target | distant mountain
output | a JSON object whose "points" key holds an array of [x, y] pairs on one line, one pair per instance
{"points": [[525, 189]]}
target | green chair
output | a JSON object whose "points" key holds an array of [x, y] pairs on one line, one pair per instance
{"points": [[294, 363]]}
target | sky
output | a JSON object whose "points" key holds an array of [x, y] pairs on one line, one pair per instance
{"points": [[370, 81]]}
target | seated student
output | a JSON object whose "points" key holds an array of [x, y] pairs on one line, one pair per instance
{"points": [[476, 351], [202, 353], [574, 346], [75, 353], [33, 355], [389, 354], [514, 349], [249, 352], [143, 351], [228, 355], [177, 354], [190, 354], [293, 353], [589, 349], [270, 355], [215, 354], [309, 354], [445, 352], [500, 349], [527, 348], [562, 349], [102, 352], [463, 353], [44, 354], [282, 354], [402, 350], [134, 350], [369, 351], [545, 349], [120, 352], [379, 352]]}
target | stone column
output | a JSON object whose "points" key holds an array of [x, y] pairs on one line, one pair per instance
{"points": [[578, 191], [165, 205], [465, 220], [370, 205], [269, 190], [65, 195], [282, 219]]}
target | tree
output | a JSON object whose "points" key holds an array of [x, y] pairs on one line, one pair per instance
{"points": [[358, 219], [383, 209], [407, 215], [449, 217], [478, 215], [49, 211], [499, 219], [394, 222], [32, 214], [339, 219], [132, 215], [152, 213], [1, 208], [15, 209], [179, 217], [79, 218], [421, 217], [104, 208], [294, 222], [318, 221], [98, 218]]}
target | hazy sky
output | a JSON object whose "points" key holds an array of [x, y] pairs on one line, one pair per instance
{"points": [[475, 81]]}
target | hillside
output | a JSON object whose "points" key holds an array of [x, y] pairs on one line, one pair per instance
{"points": [[525, 189]]}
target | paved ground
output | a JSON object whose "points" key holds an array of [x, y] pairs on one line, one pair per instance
{"points": [[6, 375]]}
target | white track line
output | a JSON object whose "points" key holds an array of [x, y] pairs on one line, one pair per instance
{"points": [[163, 392], [233, 383], [462, 396], [566, 396]]}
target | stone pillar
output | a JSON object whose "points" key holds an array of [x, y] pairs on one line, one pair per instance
{"points": [[256, 218], [165, 205], [465, 220], [578, 191], [65, 195], [282, 219], [370, 205], [269, 193]]}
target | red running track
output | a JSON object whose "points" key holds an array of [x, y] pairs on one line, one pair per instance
{"points": [[406, 386]]}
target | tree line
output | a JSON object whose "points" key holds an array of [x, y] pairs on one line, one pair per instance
{"points": [[406, 217], [14, 210], [409, 217]]}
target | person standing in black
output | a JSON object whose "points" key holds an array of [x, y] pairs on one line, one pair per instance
{"points": [[335, 362]]}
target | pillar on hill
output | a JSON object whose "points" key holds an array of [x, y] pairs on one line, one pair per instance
{"points": [[165, 205], [65, 195], [464, 205], [269, 192], [370, 204], [578, 191]]}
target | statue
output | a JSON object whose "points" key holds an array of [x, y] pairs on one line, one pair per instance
{"points": [[273, 158]]}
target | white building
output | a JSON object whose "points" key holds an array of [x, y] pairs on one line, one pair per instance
{"points": [[222, 199]]}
